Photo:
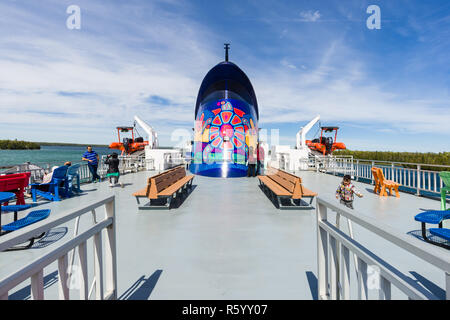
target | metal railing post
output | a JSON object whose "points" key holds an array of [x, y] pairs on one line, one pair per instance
{"points": [[447, 286], [322, 253], [371, 176], [110, 253], [418, 180]]}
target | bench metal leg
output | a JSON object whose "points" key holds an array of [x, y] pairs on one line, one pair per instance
{"points": [[296, 206], [424, 232], [150, 206]]}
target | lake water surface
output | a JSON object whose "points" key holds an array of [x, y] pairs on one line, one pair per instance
{"points": [[53, 155]]}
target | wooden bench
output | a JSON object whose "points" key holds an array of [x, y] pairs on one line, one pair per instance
{"points": [[280, 184], [145, 192], [381, 184], [167, 186]]}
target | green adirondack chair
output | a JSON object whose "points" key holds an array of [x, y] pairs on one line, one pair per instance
{"points": [[445, 177]]}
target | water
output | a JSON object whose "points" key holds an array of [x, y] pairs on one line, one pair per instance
{"points": [[53, 155]]}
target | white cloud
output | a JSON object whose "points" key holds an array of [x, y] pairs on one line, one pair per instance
{"points": [[310, 16], [114, 78], [118, 70], [286, 63]]}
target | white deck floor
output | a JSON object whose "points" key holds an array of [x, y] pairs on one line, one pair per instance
{"points": [[227, 241]]}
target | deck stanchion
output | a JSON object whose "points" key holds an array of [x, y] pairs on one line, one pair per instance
{"points": [[334, 269], [345, 272], [322, 253], [418, 180], [447, 286], [435, 182], [82, 253], [63, 277], [362, 280], [350, 232], [371, 177], [37, 285], [385, 289], [337, 257], [110, 253], [98, 266]]}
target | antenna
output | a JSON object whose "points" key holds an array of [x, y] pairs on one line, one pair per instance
{"points": [[227, 47]]}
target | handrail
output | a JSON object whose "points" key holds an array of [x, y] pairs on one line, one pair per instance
{"points": [[408, 163], [414, 179], [330, 237], [34, 269]]}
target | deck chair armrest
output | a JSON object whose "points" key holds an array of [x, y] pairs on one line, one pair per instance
{"points": [[40, 184]]}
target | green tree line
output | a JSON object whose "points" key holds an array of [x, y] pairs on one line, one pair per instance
{"points": [[441, 158], [71, 144], [18, 145]]}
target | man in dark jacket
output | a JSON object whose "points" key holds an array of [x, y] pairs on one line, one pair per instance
{"points": [[113, 173]]}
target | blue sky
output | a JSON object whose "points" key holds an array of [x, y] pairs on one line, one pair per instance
{"points": [[388, 89]]}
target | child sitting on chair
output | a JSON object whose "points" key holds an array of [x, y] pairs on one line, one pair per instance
{"points": [[113, 169], [345, 192]]}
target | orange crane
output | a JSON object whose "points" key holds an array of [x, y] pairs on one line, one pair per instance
{"points": [[128, 145], [326, 145]]}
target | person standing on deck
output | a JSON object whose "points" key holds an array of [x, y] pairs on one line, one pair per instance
{"points": [[92, 158], [251, 162], [260, 168], [113, 174], [345, 192]]}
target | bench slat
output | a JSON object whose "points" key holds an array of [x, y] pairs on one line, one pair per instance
{"points": [[272, 185], [145, 191], [176, 186], [288, 185], [285, 184], [164, 181]]}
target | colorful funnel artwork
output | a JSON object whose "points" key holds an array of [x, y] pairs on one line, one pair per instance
{"points": [[225, 126]]}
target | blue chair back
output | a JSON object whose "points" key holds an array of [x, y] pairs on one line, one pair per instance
{"points": [[73, 170], [59, 173]]}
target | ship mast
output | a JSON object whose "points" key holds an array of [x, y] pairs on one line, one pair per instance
{"points": [[227, 47]]}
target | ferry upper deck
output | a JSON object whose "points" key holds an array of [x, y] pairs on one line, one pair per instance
{"points": [[227, 240]]}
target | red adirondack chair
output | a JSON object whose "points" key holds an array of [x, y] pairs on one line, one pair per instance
{"points": [[16, 183]]}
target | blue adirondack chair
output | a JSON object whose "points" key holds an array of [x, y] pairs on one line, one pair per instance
{"points": [[57, 187], [72, 173]]}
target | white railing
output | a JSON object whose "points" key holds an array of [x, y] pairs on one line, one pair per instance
{"points": [[35, 269], [334, 248], [37, 170], [37, 174], [127, 164], [415, 178], [333, 164]]}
